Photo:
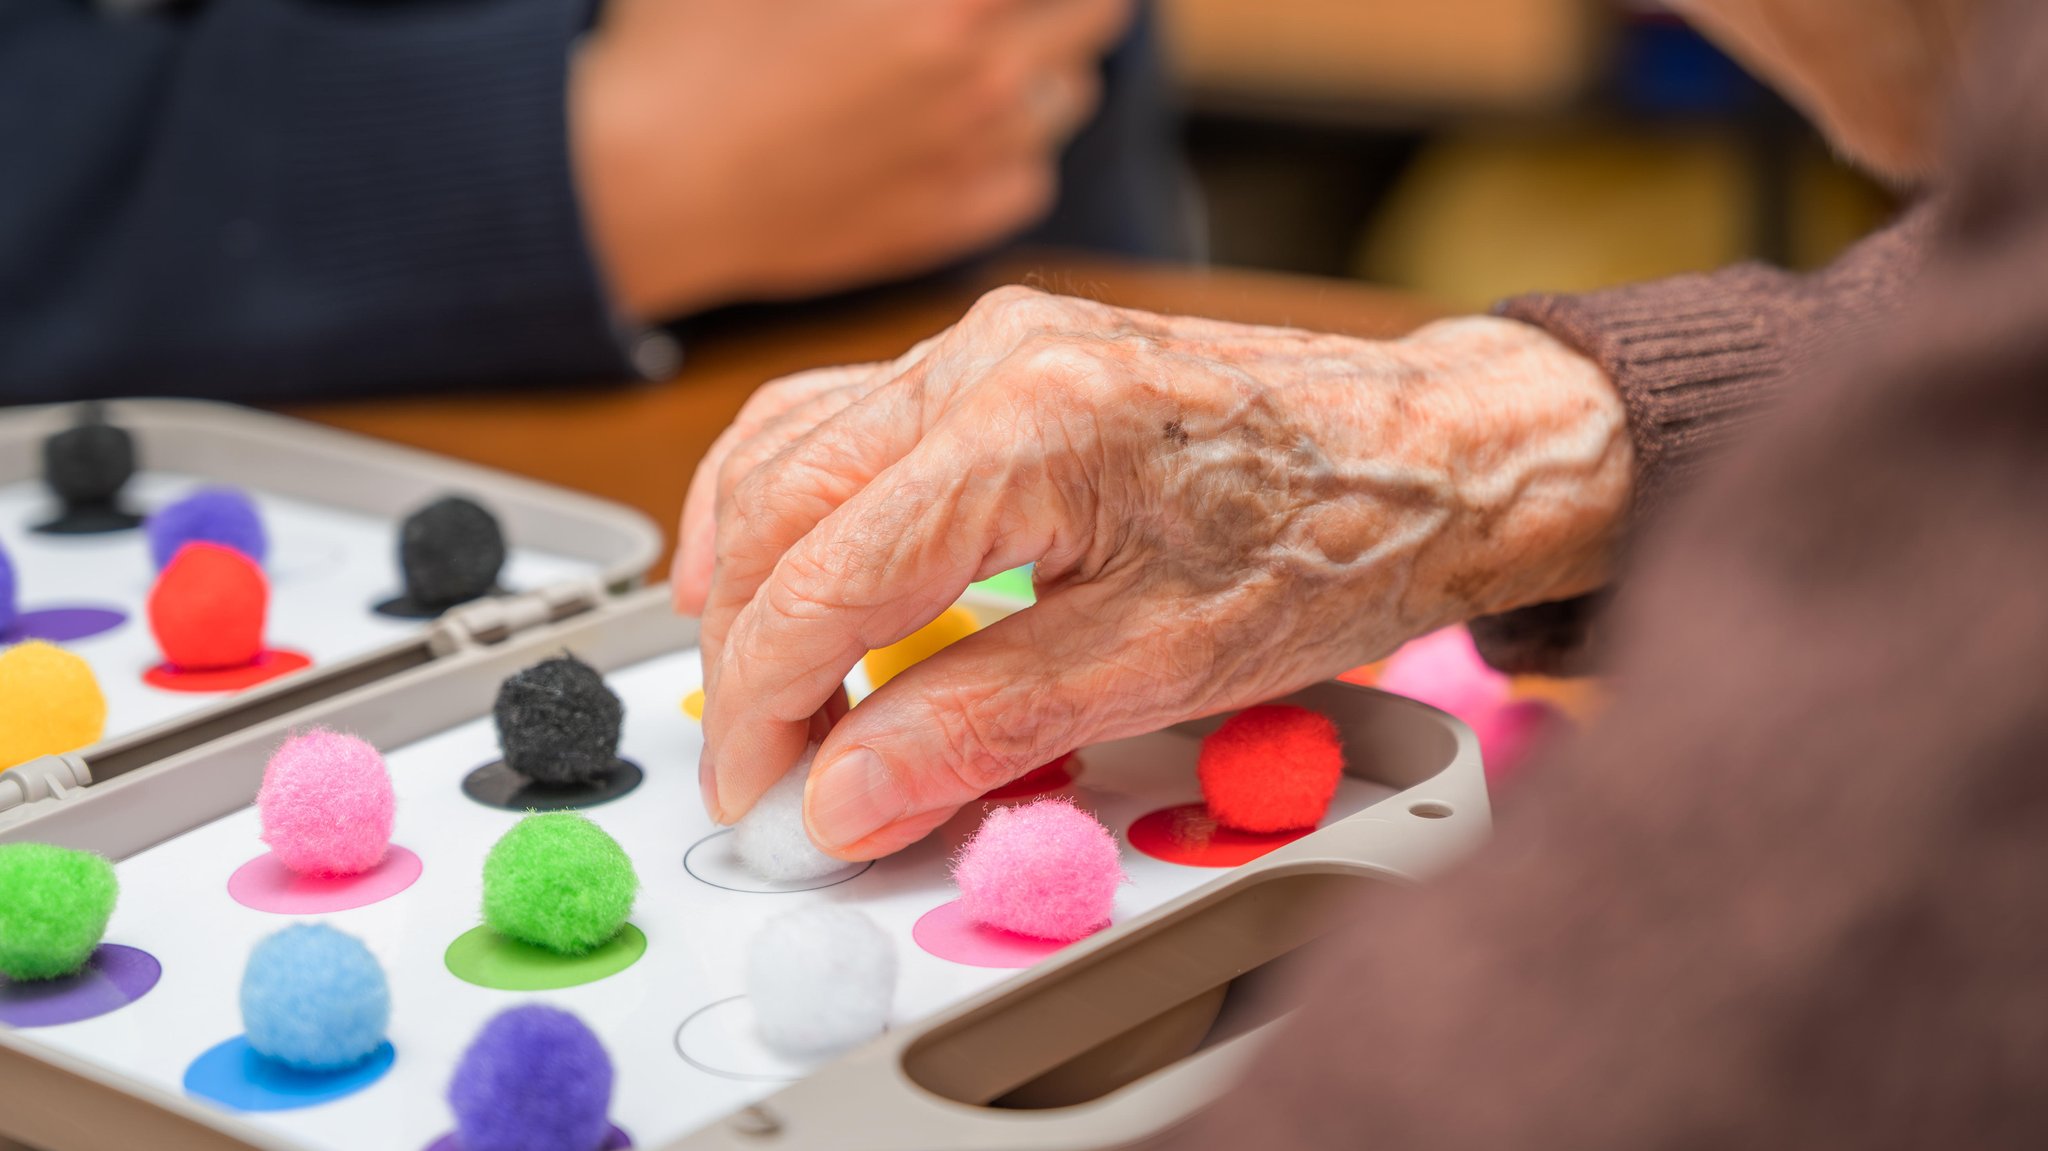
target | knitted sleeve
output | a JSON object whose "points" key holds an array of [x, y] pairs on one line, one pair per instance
{"points": [[1698, 359]]}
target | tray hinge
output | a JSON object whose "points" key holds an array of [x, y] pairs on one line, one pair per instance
{"points": [[495, 620], [49, 777]]}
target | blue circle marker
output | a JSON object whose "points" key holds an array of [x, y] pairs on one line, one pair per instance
{"points": [[233, 1075]]}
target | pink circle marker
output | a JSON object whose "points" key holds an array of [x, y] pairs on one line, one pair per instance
{"points": [[265, 884], [945, 931]]}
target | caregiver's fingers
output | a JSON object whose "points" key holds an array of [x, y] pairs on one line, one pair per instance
{"points": [[690, 573]]}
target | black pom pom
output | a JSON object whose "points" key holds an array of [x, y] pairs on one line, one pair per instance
{"points": [[450, 552], [87, 465], [558, 723]]}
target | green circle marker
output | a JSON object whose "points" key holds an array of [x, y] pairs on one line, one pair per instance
{"points": [[489, 959]]}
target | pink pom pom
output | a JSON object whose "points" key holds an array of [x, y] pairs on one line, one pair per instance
{"points": [[1508, 734], [1046, 869], [326, 804], [1443, 670]]}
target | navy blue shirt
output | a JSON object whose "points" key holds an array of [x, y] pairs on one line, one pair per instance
{"points": [[283, 199]]}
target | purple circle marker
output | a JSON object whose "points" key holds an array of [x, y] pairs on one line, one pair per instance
{"points": [[63, 624], [264, 884], [614, 1140], [113, 978]]}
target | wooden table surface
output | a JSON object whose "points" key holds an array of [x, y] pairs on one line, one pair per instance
{"points": [[637, 444]]}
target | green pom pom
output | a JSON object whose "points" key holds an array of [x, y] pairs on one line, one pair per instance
{"points": [[558, 881], [54, 906]]}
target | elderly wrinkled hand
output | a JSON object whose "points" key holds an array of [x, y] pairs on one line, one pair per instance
{"points": [[1218, 514]]}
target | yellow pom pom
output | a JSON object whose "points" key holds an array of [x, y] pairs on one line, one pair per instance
{"points": [[953, 625], [693, 705], [53, 703]]}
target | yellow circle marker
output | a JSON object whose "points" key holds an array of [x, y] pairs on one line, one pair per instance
{"points": [[884, 664], [53, 703], [693, 705]]}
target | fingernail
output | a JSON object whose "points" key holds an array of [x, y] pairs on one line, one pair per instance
{"points": [[852, 797], [707, 786]]}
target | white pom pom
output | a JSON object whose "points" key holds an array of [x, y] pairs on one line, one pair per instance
{"points": [[821, 979], [770, 838]]}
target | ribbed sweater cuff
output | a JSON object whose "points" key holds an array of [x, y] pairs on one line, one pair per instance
{"points": [[1693, 357]]}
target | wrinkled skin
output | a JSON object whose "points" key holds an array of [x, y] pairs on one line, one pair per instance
{"points": [[1219, 514]]}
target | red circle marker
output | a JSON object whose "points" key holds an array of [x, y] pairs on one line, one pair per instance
{"points": [[269, 664], [264, 884], [1039, 780], [945, 931], [1188, 835]]}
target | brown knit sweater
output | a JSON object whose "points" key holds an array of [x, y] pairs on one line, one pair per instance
{"points": [[1793, 892]]}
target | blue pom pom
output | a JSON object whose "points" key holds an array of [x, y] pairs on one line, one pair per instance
{"points": [[315, 999], [535, 1079], [9, 608], [223, 516]]}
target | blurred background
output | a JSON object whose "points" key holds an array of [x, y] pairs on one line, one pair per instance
{"points": [[1472, 149]]}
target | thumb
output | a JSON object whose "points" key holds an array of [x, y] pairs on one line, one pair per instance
{"points": [[972, 717]]}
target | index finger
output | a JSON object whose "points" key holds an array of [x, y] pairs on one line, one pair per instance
{"points": [[874, 570]]}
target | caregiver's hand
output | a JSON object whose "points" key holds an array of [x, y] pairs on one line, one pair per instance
{"points": [[1219, 514]]}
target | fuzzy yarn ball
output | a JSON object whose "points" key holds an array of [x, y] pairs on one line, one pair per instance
{"points": [[10, 593], [224, 516], [558, 723], [208, 607], [327, 804], [90, 463], [1444, 670], [770, 839], [559, 882], [821, 979], [50, 703], [450, 552], [886, 663], [1046, 869], [1269, 768], [54, 906], [534, 1079], [315, 999]]}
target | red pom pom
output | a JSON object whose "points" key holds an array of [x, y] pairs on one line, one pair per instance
{"points": [[207, 608], [1271, 768]]}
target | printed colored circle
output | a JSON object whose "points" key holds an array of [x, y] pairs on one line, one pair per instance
{"points": [[488, 959], [712, 860], [495, 785], [615, 1140], [90, 520], [693, 705], [63, 624], [405, 607], [113, 978], [945, 931], [264, 884], [719, 1038], [1039, 780], [1187, 835], [268, 665], [233, 1075]]}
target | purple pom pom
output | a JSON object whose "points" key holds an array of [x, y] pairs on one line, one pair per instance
{"points": [[535, 1079], [8, 607], [223, 516]]}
